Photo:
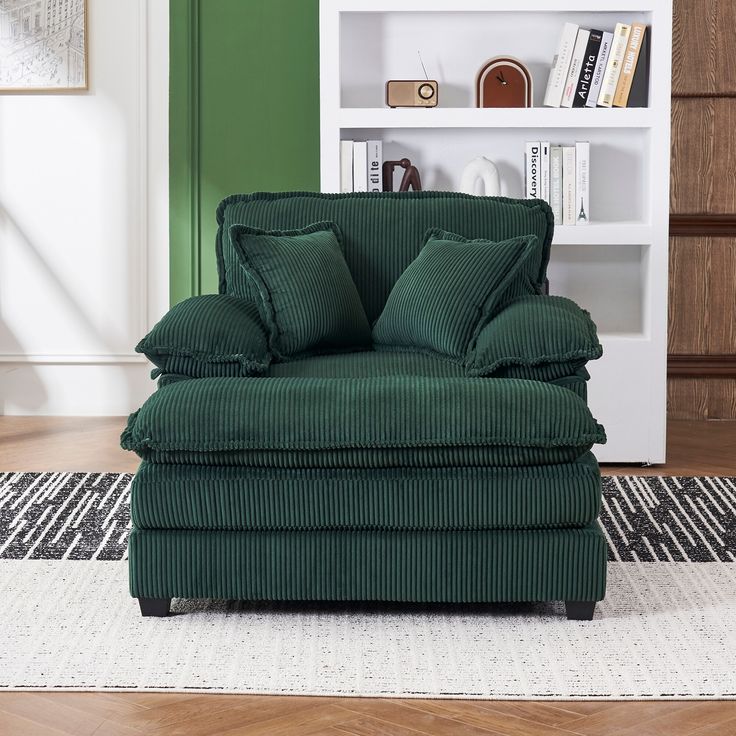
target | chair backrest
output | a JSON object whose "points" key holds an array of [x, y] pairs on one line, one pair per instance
{"points": [[382, 232]]}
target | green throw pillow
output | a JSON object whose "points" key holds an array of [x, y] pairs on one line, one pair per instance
{"points": [[207, 336], [543, 336], [452, 288], [307, 296]]}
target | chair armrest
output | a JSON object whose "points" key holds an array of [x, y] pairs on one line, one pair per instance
{"points": [[206, 336], [535, 337]]}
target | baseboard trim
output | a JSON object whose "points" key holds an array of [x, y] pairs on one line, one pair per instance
{"points": [[701, 365], [706, 225]]}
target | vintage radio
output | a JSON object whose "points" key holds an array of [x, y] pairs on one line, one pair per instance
{"points": [[411, 93]]}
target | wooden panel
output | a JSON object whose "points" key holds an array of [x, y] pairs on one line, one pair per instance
{"points": [[721, 398], [703, 53], [702, 305], [703, 174], [687, 398], [688, 287], [701, 398], [722, 295]]}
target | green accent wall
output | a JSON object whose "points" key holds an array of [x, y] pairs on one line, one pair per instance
{"points": [[244, 116]]}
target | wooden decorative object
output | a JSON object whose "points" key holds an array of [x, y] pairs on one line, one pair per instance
{"points": [[503, 82], [411, 176]]}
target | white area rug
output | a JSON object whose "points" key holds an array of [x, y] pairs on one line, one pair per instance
{"points": [[665, 630]]}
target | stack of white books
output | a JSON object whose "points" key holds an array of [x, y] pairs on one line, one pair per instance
{"points": [[361, 165], [560, 175]]}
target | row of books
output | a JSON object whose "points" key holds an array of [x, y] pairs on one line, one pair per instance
{"points": [[360, 166], [561, 176], [600, 69]]}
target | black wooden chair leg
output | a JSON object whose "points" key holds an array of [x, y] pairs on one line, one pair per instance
{"points": [[580, 610], [154, 606]]}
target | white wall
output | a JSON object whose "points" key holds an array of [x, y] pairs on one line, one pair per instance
{"points": [[84, 223]]}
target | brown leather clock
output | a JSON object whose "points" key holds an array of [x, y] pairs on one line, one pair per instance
{"points": [[503, 82]]}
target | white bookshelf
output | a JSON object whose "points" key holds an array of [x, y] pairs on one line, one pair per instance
{"points": [[616, 267]]}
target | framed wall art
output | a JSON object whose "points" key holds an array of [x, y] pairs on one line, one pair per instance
{"points": [[43, 45]]}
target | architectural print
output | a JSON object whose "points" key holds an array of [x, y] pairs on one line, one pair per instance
{"points": [[43, 44]]}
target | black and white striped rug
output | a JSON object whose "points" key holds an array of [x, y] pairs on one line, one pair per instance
{"points": [[85, 516], [664, 631]]}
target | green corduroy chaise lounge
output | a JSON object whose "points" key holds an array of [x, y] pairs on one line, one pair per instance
{"points": [[373, 466]]}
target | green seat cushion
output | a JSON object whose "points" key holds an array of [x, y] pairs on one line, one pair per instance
{"points": [[452, 288], [306, 294], [373, 422], [197, 497], [549, 335], [382, 233], [209, 335], [368, 364]]}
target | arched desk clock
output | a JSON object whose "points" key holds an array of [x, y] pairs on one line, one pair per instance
{"points": [[503, 82]]}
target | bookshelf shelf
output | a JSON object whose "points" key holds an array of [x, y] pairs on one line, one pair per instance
{"points": [[471, 117], [616, 266], [604, 233]]}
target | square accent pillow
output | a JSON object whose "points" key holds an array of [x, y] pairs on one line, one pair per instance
{"points": [[308, 299], [206, 336], [450, 291]]}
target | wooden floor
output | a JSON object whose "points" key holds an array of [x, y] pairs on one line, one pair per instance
{"points": [[35, 444]]}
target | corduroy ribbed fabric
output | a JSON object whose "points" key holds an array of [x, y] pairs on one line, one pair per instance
{"points": [[382, 232], [549, 333], [196, 497], [438, 566], [209, 335], [370, 364], [307, 297], [450, 290], [374, 422]]}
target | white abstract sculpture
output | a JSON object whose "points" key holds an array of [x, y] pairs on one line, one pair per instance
{"points": [[484, 172]]}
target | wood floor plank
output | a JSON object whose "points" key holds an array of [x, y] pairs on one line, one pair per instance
{"points": [[409, 714], [320, 717], [473, 713], [367, 726], [13, 725], [55, 713], [619, 717], [685, 721], [547, 715]]}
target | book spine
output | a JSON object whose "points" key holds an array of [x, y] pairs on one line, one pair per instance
{"points": [[588, 67], [613, 65], [346, 166], [576, 63], [375, 163], [560, 66], [360, 166], [631, 56], [582, 182], [532, 170], [568, 185], [555, 183], [600, 68], [639, 95], [544, 170]]}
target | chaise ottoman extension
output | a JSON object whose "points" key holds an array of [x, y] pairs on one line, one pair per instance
{"points": [[374, 476]]}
